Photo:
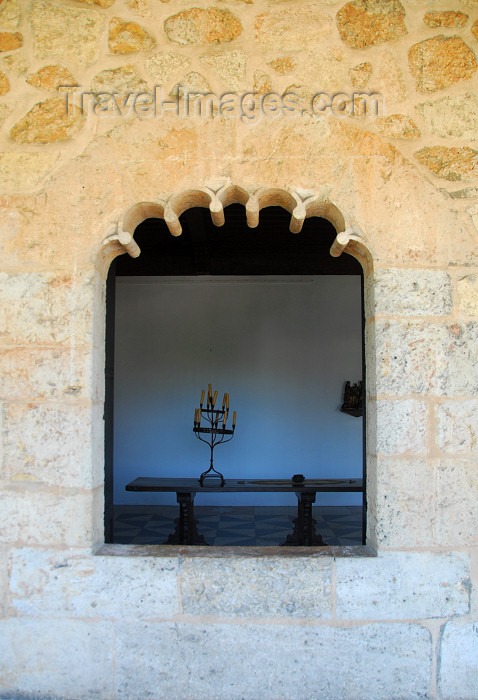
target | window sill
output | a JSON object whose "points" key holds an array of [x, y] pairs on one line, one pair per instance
{"points": [[156, 550]]}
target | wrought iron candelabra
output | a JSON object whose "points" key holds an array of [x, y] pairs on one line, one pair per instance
{"points": [[214, 432]]}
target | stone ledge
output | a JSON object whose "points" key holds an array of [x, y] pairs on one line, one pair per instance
{"points": [[154, 550]]}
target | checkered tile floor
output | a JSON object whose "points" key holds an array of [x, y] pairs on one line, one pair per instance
{"points": [[237, 526]]}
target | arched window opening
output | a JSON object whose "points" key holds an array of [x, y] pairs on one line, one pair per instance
{"points": [[263, 314]]}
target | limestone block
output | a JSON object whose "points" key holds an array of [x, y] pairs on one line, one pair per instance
{"points": [[397, 427], [10, 14], [210, 25], [398, 126], [50, 307], [51, 78], [4, 84], [9, 41], [461, 353], [401, 503], [363, 23], [268, 588], [290, 29], [446, 18], [163, 65], [122, 81], [441, 61], [452, 117], [262, 82], [69, 32], [388, 79], [15, 63], [20, 171], [100, 3], [411, 292], [128, 37], [360, 74], [53, 444], [48, 121], [142, 8], [474, 29], [32, 515], [283, 64], [467, 288], [415, 585], [49, 583], [458, 163], [56, 658], [190, 83], [230, 66], [457, 502], [326, 71], [458, 671], [457, 426], [272, 661]]}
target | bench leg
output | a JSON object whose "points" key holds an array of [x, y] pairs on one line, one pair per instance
{"points": [[186, 531], [304, 534]]}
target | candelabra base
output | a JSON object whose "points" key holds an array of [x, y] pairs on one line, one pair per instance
{"points": [[213, 475]]}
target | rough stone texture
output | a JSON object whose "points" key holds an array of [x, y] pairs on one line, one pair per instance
{"points": [[388, 79], [474, 29], [291, 29], [22, 171], [203, 26], [467, 288], [410, 292], [457, 426], [128, 37], [461, 348], [48, 121], [363, 23], [398, 126], [142, 8], [415, 585], [360, 74], [452, 117], [457, 502], [445, 18], [398, 427], [32, 515], [192, 82], [100, 3], [230, 66], [10, 14], [441, 61], [162, 66], [327, 71], [70, 32], [283, 64], [264, 588], [46, 668], [15, 63], [122, 80], [262, 83], [51, 78], [457, 163], [272, 662], [458, 672], [49, 583], [4, 84], [9, 41]]}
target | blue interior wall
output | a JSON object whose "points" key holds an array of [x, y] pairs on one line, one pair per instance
{"points": [[282, 347]]}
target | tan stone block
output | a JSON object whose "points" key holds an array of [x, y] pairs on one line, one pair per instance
{"points": [[100, 3], [458, 670], [69, 32], [445, 18], [55, 445], [4, 84], [397, 427], [457, 502], [388, 79], [474, 29], [398, 126], [128, 37], [10, 14], [47, 122], [401, 503], [20, 171], [230, 66], [457, 426], [283, 64], [203, 26], [51, 78], [262, 82], [15, 63], [123, 80], [162, 66], [5, 110], [468, 295], [409, 292], [192, 82], [32, 515], [441, 61], [326, 71], [363, 23], [360, 74], [290, 29], [458, 163], [142, 8], [452, 117], [9, 41]]}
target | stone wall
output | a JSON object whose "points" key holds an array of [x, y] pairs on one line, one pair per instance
{"points": [[79, 619]]}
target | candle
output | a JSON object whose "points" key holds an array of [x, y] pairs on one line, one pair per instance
{"points": [[214, 399], [209, 395], [224, 419], [227, 401], [233, 420], [202, 398], [223, 401]]}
